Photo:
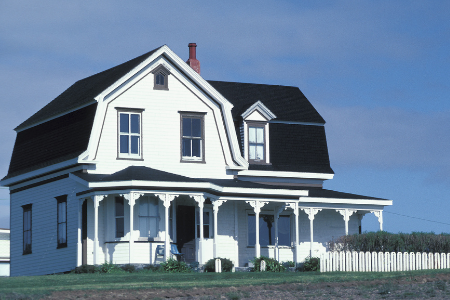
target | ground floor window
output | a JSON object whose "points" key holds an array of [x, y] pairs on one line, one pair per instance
{"points": [[267, 230], [26, 229], [119, 216], [148, 217], [207, 227]]}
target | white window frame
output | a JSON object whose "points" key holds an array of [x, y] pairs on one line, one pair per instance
{"points": [[201, 117], [250, 212], [129, 134], [211, 222], [155, 217]]}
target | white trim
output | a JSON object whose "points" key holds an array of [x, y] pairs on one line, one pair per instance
{"points": [[283, 174], [261, 108], [346, 201]]}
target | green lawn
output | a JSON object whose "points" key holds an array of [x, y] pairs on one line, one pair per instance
{"points": [[40, 285]]}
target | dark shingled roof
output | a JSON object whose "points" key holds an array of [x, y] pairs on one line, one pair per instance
{"points": [[150, 174], [52, 142], [84, 91], [287, 102]]}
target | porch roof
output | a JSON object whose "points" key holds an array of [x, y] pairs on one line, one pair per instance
{"points": [[219, 187]]}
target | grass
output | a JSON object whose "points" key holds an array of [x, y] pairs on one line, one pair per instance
{"points": [[42, 285]]}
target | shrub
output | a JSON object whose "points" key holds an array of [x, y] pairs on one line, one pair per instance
{"points": [[288, 264], [272, 265], [174, 266], [311, 264], [389, 242], [128, 268], [227, 265], [108, 268], [85, 269], [151, 268]]}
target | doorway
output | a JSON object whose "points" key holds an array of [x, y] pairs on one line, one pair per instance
{"points": [[186, 231]]}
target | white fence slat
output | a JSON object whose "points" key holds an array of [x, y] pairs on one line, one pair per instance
{"points": [[430, 261], [437, 261], [393, 262], [412, 261], [406, 261], [387, 262], [368, 261], [443, 261], [424, 262], [361, 262], [355, 261], [348, 260]]}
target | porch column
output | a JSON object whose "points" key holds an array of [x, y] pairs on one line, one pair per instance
{"points": [[200, 200], [166, 199], [379, 215], [277, 212], [80, 239], [311, 212], [257, 205], [297, 235], [96, 199], [131, 198], [216, 204], [346, 213]]}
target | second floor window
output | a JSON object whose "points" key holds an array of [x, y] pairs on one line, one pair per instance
{"points": [[256, 141], [192, 141], [129, 135]]}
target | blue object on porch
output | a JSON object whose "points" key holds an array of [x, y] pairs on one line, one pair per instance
{"points": [[160, 250], [174, 251]]}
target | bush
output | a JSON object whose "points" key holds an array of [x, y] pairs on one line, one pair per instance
{"points": [[389, 242], [85, 269], [227, 265], [272, 265], [174, 266], [311, 264], [288, 264], [128, 268], [151, 268]]}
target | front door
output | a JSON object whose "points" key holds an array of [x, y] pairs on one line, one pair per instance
{"points": [[186, 231]]}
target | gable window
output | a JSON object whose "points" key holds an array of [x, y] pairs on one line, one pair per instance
{"points": [[148, 217], [61, 207], [256, 143], [161, 76], [119, 217], [130, 134], [26, 229], [192, 137], [267, 230]]}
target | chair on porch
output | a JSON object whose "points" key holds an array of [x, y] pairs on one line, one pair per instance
{"points": [[159, 253], [174, 251]]}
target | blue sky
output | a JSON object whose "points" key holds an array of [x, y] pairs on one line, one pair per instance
{"points": [[377, 71]]}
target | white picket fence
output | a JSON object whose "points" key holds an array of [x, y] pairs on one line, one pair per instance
{"points": [[382, 261]]}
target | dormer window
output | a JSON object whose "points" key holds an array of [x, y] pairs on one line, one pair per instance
{"points": [[255, 130], [161, 75]]}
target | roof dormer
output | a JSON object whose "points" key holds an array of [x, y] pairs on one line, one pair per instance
{"points": [[255, 132]]}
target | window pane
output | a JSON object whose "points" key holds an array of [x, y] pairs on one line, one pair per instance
{"points": [[187, 127], [62, 233], [124, 123], [251, 230], [119, 207], [260, 135], [153, 227], [196, 128], [143, 227], [62, 212], [186, 147], [134, 144], [206, 231], [119, 227], [143, 207], [124, 144], [153, 207], [205, 217], [284, 231], [259, 152], [135, 127], [159, 79], [196, 148], [252, 135], [252, 152]]}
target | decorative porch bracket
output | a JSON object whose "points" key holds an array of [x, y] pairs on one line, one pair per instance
{"points": [[379, 215], [257, 205], [216, 204], [311, 212], [346, 213], [166, 200], [131, 198]]}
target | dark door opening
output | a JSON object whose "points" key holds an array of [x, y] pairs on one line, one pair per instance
{"points": [[186, 231]]}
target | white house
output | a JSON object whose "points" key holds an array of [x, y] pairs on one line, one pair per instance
{"points": [[4, 252], [149, 154]]}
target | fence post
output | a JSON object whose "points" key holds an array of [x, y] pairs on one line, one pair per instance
{"points": [[424, 261]]}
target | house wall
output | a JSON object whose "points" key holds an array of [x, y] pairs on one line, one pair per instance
{"points": [[161, 130], [45, 257]]}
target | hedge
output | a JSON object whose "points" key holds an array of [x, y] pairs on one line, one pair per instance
{"points": [[390, 242]]}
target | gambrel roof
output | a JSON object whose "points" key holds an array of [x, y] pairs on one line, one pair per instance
{"points": [[60, 130]]}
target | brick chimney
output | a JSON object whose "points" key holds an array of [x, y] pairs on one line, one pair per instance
{"points": [[192, 61]]}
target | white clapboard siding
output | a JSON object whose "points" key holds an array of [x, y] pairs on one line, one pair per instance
{"points": [[382, 261]]}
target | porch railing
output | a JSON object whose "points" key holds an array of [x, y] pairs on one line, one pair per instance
{"points": [[382, 261]]}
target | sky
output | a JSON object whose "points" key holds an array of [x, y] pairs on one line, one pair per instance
{"points": [[377, 71]]}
